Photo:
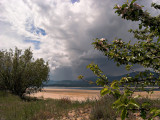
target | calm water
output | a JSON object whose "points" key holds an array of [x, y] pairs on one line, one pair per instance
{"points": [[91, 88], [80, 88]]}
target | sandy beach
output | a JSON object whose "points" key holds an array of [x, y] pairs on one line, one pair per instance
{"points": [[155, 95], [72, 94], [81, 95]]}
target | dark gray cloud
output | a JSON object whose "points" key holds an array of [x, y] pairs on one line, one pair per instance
{"points": [[70, 30], [62, 73]]}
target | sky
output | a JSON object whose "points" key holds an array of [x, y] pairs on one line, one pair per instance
{"points": [[61, 32]]}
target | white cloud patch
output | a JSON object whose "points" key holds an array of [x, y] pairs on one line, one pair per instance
{"points": [[63, 29]]}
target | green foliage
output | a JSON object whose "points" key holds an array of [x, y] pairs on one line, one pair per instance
{"points": [[145, 52], [20, 73], [80, 77], [14, 108]]}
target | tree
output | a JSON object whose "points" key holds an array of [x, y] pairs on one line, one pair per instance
{"points": [[20, 73], [145, 52]]}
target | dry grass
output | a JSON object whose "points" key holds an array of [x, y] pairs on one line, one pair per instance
{"points": [[14, 108]]}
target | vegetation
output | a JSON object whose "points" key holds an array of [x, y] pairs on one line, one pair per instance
{"points": [[145, 52], [14, 108], [102, 109], [99, 111], [20, 73]]}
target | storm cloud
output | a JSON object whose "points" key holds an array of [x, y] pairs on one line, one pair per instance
{"points": [[61, 32]]}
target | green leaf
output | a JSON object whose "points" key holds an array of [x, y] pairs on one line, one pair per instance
{"points": [[80, 77], [117, 103], [128, 67], [104, 91], [114, 85], [132, 102], [158, 39], [145, 104], [133, 1], [140, 26], [153, 110], [118, 64], [123, 114], [124, 5]]}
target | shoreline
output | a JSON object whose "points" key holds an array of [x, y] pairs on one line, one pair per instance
{"points": [[72, 94], [81, 95]]}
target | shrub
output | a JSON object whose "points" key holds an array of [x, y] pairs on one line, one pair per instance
{"points": [[20, 73], [102, 109]]}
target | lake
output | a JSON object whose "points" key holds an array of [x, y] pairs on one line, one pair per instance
{"points": [[80, 88]]}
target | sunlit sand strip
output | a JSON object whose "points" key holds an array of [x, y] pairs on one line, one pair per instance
{"points": [[82, 95], [72, 94], [155, 95]]}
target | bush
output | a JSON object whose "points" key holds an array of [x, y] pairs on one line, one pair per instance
{"points": [[102, 109], [20, 73]]}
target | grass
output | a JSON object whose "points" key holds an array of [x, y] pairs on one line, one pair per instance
{"points": [[102, 109], [14, 108]]}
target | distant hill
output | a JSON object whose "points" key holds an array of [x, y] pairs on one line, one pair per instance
{"points": [[81, 83], [69, 83]]}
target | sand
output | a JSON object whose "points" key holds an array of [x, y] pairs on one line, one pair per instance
{"points": [[82, 95], [155, 95], [72, 94]]}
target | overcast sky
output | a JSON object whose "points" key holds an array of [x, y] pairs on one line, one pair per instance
{"points": [[61, 32]]}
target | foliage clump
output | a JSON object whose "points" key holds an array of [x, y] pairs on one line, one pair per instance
{"points": [[145, 52], [20, 73]]}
